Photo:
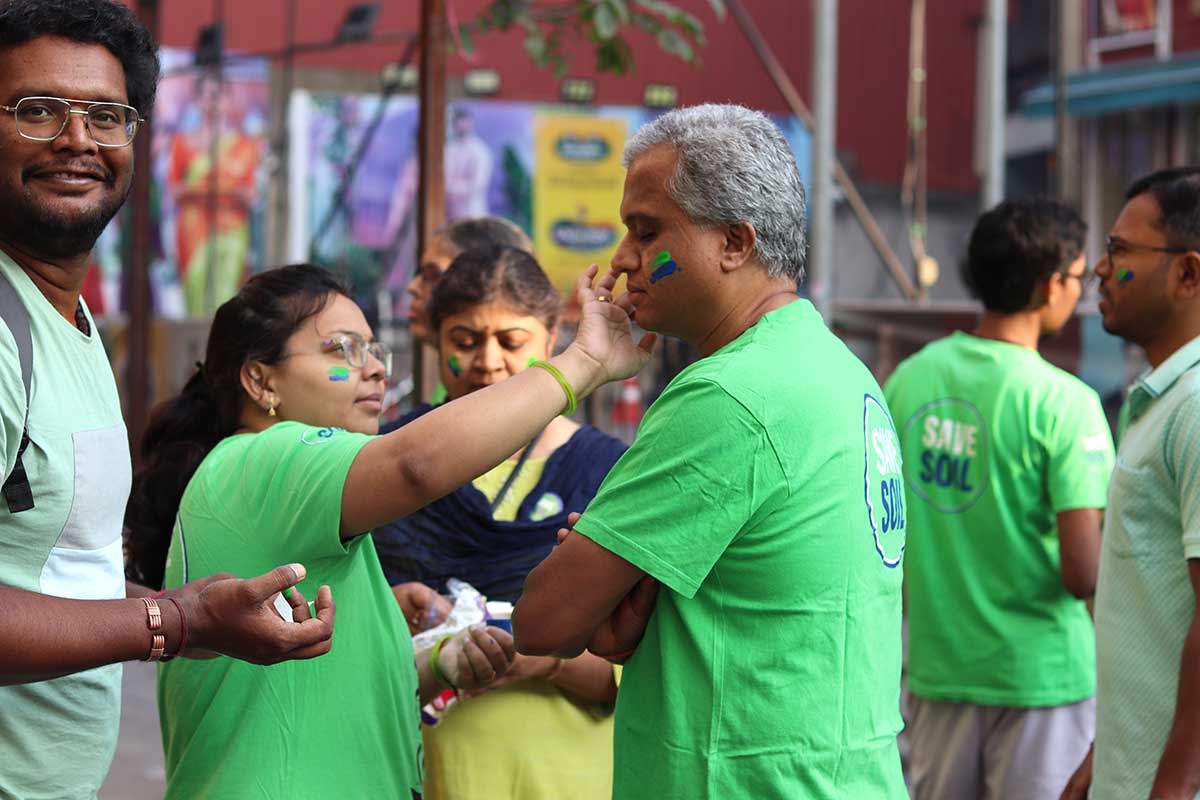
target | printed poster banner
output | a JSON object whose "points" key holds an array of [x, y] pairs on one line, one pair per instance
{"points": [[577, 189], [209, 146], [553, 170]]}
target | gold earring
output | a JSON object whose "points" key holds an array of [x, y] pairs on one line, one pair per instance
{"points": [[271, 409]]}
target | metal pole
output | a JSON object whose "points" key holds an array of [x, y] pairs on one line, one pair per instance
{"points": [[431, 144], [1067, 47], [821, 226], [996, 95], [214, 165], [281, 142], [137, 257]]}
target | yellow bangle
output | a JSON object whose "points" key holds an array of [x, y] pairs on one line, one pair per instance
{"points": [[562, 381], [433, 662]]}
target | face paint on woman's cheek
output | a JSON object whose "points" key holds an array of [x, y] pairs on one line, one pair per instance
{"points": [[455, 366], [337, 374], [1124, 275], [663, 266]]}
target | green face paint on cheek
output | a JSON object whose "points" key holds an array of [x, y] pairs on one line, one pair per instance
{"points": [[455, 366], [663, 265], [1124, 275], [339, 374]]}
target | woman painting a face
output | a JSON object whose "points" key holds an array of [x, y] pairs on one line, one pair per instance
{"points": [[268, 456], [493, 312]]}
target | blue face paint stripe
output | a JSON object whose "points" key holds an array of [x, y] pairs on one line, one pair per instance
{"points": [[669, 268]]}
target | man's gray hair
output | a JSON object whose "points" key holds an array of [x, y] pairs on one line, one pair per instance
{"points": [[734, 166]]}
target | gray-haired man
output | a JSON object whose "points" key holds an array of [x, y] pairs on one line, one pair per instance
{"points": [[764, 492]]}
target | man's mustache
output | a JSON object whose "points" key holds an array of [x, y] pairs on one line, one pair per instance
{"points": [[92, 169]]}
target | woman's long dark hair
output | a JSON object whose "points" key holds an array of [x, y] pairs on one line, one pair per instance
{"points": [[253, 326]]}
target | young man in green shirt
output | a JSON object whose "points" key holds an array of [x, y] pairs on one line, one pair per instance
{"points": [[1147, 625], [763, 492], [1006, 462]]}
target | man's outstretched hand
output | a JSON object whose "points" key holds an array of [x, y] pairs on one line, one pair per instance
{"points": [[236, 617]]}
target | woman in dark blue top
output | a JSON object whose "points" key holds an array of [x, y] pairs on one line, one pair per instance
{"points": [[545, 731]]}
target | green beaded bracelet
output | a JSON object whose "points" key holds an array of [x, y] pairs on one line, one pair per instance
{"points": [[562, 381]]}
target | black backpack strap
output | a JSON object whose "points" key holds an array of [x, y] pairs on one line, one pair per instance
{"points": [[17, 491]]}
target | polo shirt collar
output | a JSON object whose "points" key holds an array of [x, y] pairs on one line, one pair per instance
{"points": [[1156, 382]]}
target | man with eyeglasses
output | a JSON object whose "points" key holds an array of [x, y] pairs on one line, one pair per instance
{"points": [[76, 79], [1006, 464], [1147, 625]]}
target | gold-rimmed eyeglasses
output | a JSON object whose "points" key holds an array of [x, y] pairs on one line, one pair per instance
{"points": [[43, 119]]}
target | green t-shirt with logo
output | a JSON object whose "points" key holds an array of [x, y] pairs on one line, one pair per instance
{"points": [[57, 737], [764, 492], [342, 725], [996, 442]]}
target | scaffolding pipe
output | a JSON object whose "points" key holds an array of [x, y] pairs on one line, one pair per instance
{"points": [[788, 89]]}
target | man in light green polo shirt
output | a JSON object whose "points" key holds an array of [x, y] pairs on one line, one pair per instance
{"points": [[1147, 626], [76, 78], [764, 493]]}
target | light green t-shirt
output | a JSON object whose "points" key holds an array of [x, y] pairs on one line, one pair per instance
{"points": [[996, 442], [1145, 602], [57, 737], [764, 491], [342, 725]]}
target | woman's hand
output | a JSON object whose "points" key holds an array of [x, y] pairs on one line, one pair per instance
{"points": [[423, 608], [605, 333], [476, 656], [524, 668]]}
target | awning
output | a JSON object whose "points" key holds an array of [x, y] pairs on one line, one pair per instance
{"points": [[1120, 87]]}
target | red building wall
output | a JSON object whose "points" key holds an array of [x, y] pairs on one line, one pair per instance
{"points": [[873, 42], [1186, 19]]}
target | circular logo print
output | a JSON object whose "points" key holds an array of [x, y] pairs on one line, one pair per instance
{"points": [[883, 482], [548, 505], [946, 454], [313, 436]]}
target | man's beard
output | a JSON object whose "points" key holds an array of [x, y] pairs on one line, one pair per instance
{"points": [[55, 235]]}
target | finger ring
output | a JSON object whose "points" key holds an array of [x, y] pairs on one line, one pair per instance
{"points": [[602, 299]]}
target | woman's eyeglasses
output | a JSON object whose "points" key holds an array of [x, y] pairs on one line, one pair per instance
{"points": [[356, 350]]}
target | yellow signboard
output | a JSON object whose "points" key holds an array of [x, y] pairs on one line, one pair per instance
{"points": [[577, 186]]}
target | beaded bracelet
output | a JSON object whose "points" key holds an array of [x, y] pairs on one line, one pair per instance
{"points": [[183, 630], [562, 381]]}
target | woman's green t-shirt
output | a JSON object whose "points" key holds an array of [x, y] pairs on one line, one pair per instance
{"points": [[342, 725]]}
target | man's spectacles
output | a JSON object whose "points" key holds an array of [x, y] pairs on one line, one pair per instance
{"points": [[43, 119], [356, 350], [1118, 247]]}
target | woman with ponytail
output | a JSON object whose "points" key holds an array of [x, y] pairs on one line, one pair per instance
{"points": [[269, 453]]}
